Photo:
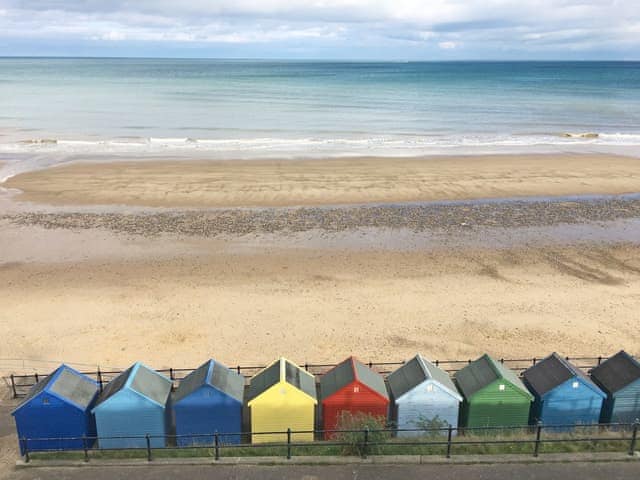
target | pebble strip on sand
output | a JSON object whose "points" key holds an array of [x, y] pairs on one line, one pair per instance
{"points": [[417, 217]]}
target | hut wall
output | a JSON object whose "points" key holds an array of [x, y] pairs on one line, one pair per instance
{"points": [[205, 411], [280, 407], [128, 414], [420, 408]]}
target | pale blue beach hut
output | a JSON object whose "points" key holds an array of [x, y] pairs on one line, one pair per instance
{"points": [[132, 406], [423, 396]]}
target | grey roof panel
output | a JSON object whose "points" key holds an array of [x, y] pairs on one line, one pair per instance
{"points": [[548, 374], [114, 386], [227, 381], [617, 372], [440, 376], [264, 380], [370, 378], [299, 379], [407, 377], [475, 376], [74, 387], [192, 382], [151, 385], [336, 378]]}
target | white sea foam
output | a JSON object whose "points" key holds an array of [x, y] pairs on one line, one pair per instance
{"points": [[344, 145], [33, 154]]}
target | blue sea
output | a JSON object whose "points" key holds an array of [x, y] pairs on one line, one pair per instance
{"points": [[52, 109]]}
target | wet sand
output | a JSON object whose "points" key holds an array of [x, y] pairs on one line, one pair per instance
{"points": [[327, 182]]}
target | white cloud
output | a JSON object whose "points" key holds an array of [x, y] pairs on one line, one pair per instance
{"points": [[447, 45], [474, 26]]}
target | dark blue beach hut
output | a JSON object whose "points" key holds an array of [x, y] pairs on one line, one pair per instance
{"points": [[209, 400], [619, 377], [57, 409], [131, 406], [563, 394]]}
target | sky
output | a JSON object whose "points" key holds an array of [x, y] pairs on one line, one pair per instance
{"points": [[327, 29]]}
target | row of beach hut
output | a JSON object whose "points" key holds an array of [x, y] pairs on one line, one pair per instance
{"points": [[66, 409]]}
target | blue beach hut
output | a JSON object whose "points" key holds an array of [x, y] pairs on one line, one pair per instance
{"points": [[619, 377], [209, 400], [563, 394], [424, 396], [131, 406], [57, 409]]}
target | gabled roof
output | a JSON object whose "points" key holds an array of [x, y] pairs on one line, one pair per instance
{"points": [[617, 372], [215, 375], [484, 371], [142, 380], [68, 385], [415, 372], [348, 371], [282, 370], [552, 372]]}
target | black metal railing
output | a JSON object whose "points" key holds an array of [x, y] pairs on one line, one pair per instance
{"points": [[445, 441], [20, 384]]}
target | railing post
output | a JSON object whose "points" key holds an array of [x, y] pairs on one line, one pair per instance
{"points": [[99, 375], [634, 437], [599, 359], [148, 447], [171, 374], [288, 443], [449, 435], [536, 448], [238, 369], [365, 445], [85, 448], [216, 442], [25, 448], [36, 376], [13, 386]]}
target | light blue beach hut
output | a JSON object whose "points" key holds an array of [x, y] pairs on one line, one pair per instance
{"points": [[423, 396], [133, 405], [209, 400]]}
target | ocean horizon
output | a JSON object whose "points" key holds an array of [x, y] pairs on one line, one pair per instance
{"points": [[58, 108]]}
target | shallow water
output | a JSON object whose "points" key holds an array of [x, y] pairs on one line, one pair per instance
{"points": [[253, 109]]}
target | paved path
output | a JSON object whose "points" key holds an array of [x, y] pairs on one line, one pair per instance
{"points": [[582, 471]]}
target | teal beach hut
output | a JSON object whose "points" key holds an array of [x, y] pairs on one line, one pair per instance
{"points": [[133, 405], [619, 377]]}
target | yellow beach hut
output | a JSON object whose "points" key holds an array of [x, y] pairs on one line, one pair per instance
{"points": [[282, 396]]}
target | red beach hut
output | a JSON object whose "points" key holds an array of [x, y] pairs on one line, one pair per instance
{"points": [[353, 387]]}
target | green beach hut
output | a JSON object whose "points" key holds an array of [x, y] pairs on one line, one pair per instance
{"points": [[494, 396]]}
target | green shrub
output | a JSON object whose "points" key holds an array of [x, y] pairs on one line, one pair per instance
{"points": [[354, 439]]}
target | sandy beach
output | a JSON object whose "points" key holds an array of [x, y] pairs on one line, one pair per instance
{"points": [[318, 283], [177, 305], [327, 182]]}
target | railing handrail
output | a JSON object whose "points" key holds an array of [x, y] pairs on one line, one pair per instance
{"points": [[99, 374], [364, 446]]}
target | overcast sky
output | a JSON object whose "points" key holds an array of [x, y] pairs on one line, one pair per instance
{"points": [[338, 29]]}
